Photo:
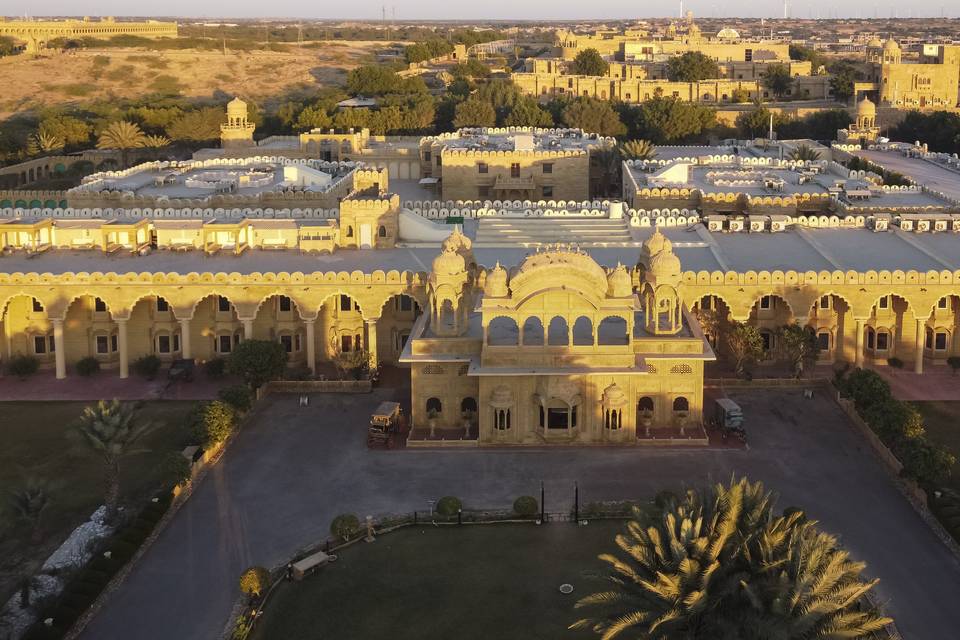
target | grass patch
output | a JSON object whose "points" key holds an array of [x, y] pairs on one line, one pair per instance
{"points": [[38, 439], [493, 581], [123, 73], [942, 421], [166, 85], [78, 89]]}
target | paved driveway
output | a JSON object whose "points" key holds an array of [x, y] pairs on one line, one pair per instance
{"points": [[294, 469]]}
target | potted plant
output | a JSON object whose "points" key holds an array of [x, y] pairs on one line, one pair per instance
{"points": [[432, 415]]}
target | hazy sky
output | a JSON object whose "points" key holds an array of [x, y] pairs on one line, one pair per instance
{"points": [[486, 9]]}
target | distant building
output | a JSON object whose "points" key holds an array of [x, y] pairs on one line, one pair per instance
{"points": [[864, 129], [237, 131], [35, 34], [930, 82]]}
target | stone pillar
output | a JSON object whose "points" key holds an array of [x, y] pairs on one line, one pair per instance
{"points": [[58, 348], [247, 328], [372, 341], [859, 355], [122, 346], [918, 346], [185, 351], [311, 344]]}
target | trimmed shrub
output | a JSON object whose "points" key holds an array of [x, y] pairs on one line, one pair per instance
{"points": [[216, 422], [345, 526], [526, 506], [147, 366], [895, 362], [254, 581], [177, 470], [87, 366], [449, 506], [22, 366], [237, 396], [926, 462], [215, 367]]}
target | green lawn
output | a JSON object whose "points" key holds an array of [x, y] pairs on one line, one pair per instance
{"points": [[38, 440], [480, 581], [942, 420]]}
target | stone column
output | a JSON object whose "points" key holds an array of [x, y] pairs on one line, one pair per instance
{"points": [[122, 346], [185, 351], [859, 355], [310, 324], [247, 328], [58, 349], [372, 341], [918, 346]]}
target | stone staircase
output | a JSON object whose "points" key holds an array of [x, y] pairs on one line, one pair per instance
{"points": [[507, 232]]}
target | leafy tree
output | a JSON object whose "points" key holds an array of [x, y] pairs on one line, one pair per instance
{"points": [[800, 345], [155, 143], [718, 563], [940, 130], [638, 150], [215, 421], [593, 116], [843, 76], [474, 113], [820, 125], [254, 581], [257, 361], [28, 502], [805, 153], [740, 96], [756, 122], [71, 130], [668, 120], [121, 135], [423, 51], [8, 46], [345, 526], [111, 429], [527, 113], [589, 62], [777, 79], [198, 126], [692, 66], [378, 80], [745, 345], [312, 117], [470, 69]]}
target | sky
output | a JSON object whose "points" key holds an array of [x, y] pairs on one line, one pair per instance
{"points": [[486, 9]]}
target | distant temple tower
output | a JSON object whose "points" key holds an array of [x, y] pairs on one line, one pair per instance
{"points": [[865, 128], [662, 303], [237, 131]]}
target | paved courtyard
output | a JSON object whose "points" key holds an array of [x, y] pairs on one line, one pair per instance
{"points": [[293, 469]]}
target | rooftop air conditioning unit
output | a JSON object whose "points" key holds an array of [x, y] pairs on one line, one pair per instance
{"points": [[736, 225], [756, 226], [777, 225], [715, 224], [923, 226], [955, 224], [939, 225], [880, 224], [906, 225]]}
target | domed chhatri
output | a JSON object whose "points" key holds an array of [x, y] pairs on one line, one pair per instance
{"points": [[654, 245], [665, 264], [496, 285], [866, 107], [449, 263], [237, 131], [619, 284]]}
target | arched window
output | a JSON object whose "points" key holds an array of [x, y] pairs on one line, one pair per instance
{"points": [[468, 406], [612, 331], [583, 332], [681, 404], [645, 404], [382, 231], [434, 405], [502, 331], [613, 419], [533, 331], [501, 419], [349, 231], [558, 332]]}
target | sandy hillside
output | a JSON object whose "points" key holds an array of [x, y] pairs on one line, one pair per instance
{"points": [[130, 73]]}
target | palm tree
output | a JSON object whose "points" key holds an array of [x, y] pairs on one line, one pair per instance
{"points": [[605, 161], [111, 429], [638, 150], [155, 143], [121, 135], [718, 564], [28, 503], [805, 153], [43, 142]]}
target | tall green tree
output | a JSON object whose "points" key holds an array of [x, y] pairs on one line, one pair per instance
{"points": [[719, 564], [664, 120], [197, 126], [474, 113], [800, 346], [843, 76], [593, 116], [589, 62], [756, 122], [777, 79], [121, 135], [257, 361], [692, 66], [112, 429], [744, 344], [527, 113]]}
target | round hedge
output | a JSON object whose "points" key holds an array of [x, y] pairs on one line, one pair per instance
{"points": [[525, 506], [345, 526], [449, 506], [255, 581]]}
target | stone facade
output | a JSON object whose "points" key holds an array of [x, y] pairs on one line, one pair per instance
{"points": [[930, 82], [37, 33]]}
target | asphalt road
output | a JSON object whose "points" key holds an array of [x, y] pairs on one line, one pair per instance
{"points": [[293, 469]]}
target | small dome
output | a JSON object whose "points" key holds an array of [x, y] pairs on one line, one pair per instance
{"points": [[728, 34], [496, 285], [457, 241], [665, 264], [875, 43], [619, 284], [236, 106], [655, 244], [449, 263], [891, 46], [866, 108], [614, 396]]}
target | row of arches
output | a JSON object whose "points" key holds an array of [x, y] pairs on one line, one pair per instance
{"points": [[504, 331]]}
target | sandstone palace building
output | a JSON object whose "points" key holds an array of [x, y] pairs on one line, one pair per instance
{"points": [[526, 315], [35, 34]]}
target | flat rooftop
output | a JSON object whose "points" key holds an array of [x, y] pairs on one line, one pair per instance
{"points": [[799, 249], [506, 140], [931, 174]]}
